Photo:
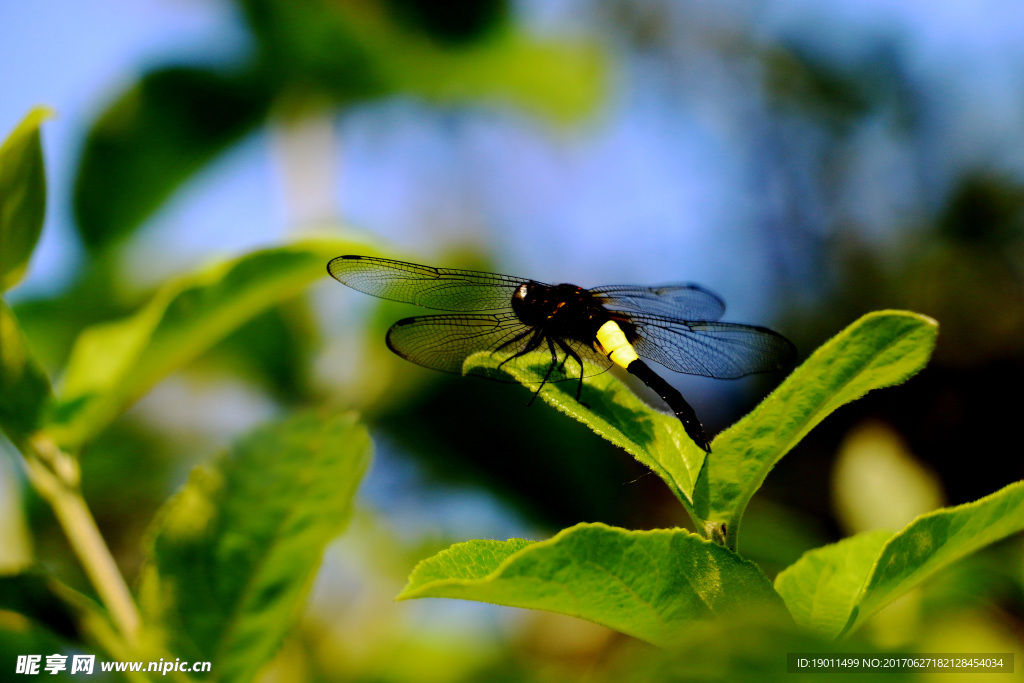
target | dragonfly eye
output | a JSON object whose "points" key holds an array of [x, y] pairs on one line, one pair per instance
{"points": [[521, 291]]}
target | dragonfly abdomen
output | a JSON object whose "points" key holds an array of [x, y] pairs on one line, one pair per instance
{"points": [[675, 401]]}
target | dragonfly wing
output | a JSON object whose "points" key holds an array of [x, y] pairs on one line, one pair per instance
{"points": [[681, 300], [445, 289], [444, 342], [711, 349]]}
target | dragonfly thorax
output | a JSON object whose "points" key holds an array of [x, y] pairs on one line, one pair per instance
{"points": [[566, 310]]}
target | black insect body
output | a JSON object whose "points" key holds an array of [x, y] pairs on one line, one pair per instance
{"points": [[583, 331]]}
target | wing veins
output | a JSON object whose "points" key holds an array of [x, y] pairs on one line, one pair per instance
{"points": [[449, 289], [444, 342], [711, 349]]}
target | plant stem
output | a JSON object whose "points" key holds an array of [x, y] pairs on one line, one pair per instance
{"points": [[54, 474]]}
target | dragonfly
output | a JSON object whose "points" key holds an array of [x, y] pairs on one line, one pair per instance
{"points": [[514, 319]]}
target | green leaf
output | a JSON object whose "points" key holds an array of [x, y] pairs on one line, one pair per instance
{"points": [[937, 539], [22, 197], [822, 587], [153, 137], [878, 350], [648, 584], [24, 388], [113, 364], [655, 439], [835, 589], [234, 552]]}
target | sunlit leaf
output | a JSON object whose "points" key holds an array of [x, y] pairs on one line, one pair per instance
{"points": [[648, 584], [22, 197], [115, 363], [24, 387], [152, 138], [878, 350], [835, 589], [935, 540], [822, 587], [234, 552], [655, 439]]}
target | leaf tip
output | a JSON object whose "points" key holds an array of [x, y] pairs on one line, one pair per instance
{"points": [[926, 320], [40, 113], [30, 123]]}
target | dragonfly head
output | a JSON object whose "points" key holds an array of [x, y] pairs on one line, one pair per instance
{"points": [[527, 302]]}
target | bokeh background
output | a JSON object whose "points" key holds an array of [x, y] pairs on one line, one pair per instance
{"points": [[809, 161]]}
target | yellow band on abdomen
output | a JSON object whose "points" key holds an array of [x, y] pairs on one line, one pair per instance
{"points": [[614, 344]]}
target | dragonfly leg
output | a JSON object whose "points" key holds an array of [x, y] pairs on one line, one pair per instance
{"points": [[530, 345], [511, 341], [554, 362], [569, 353], [562, 345]]}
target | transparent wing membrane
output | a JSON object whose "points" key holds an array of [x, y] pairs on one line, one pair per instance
{"points": [[711, 349], [676, 324], [443, 289], [444, 342], [683, 301]]}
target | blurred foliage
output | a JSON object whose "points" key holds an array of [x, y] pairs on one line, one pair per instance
{"points": [[113, 364], [233, 553], [775, 536], [172, 123], [877, 483], [274, 350], [309, 56], [451, 22], [839, 97], [25, 393], [31, 594], [22, 197]]}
